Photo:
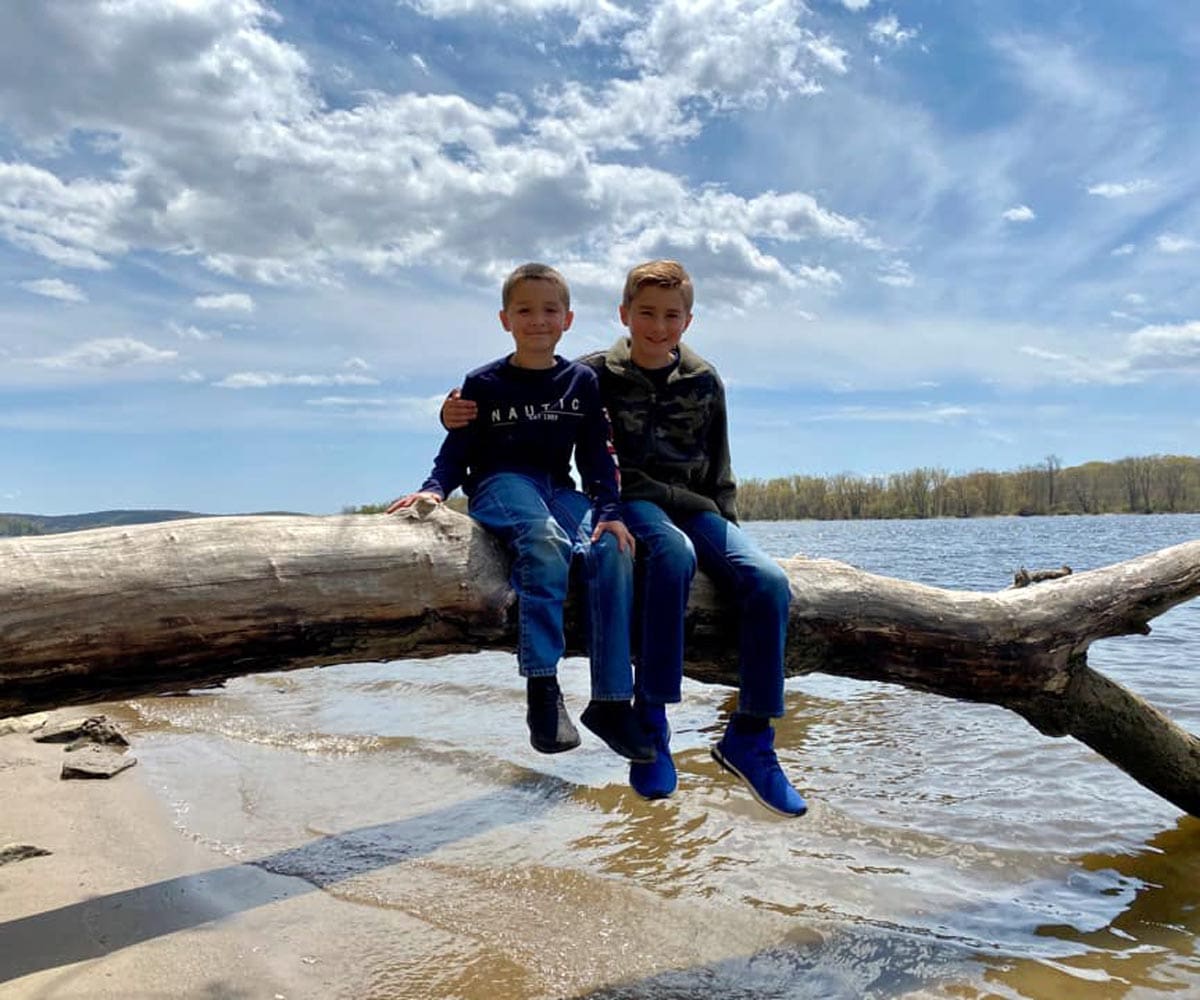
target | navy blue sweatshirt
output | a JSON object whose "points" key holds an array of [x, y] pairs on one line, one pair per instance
{"points": [[530, 420]]}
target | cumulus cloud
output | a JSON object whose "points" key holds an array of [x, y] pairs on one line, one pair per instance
{"points": [[1120, 190], [1020, 213], [55, 288], [72, 223], [232, 302], [108, 352], [221, 150]]}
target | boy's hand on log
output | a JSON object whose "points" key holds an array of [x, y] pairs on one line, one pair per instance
{"points": [[410, 499], [457, 412], [618, 530]]}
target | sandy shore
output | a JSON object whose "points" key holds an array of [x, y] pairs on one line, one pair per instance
{"points": [[125, 907]]}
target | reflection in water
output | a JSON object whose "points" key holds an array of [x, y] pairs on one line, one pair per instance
{"points": [[1151, 944], [950, 850]]}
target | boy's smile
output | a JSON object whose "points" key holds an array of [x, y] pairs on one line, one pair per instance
{"points": [[537, 318], [656, 318]]}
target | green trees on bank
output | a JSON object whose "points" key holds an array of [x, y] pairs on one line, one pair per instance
{"points": [[1151, 484]]}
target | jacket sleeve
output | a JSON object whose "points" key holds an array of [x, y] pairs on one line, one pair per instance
{"points": [[451, 464], [596, 458], [721, 486]]}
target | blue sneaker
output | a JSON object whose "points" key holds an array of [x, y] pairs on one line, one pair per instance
{"points": [[751, 756], [655, 779]]}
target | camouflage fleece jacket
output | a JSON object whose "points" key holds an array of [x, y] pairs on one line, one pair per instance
{"points": [[672, 445]]}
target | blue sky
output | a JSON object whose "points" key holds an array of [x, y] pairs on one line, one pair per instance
{"points": [[246, 247]]}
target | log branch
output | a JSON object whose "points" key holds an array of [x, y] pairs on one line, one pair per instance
{"points": [[119, 612]]}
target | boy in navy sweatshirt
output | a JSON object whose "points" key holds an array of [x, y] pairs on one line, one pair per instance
{"points": [[535, 410]]}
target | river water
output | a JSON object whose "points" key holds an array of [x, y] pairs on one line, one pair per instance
{"points": [[949, 851]]}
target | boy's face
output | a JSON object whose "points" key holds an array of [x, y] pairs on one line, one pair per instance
{"points": [[656, 318], [536, 317]]}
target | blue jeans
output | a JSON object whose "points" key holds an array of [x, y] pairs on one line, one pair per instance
{"points": [[543, 526], [669, 550]]}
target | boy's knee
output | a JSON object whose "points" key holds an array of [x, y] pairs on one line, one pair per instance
{"points": [[774, 584], [673, 553], [543, 541], [607, 556]]}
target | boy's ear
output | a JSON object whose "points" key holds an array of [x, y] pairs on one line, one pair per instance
{"points": [[568, 319], [624, 313], [504, 320]]}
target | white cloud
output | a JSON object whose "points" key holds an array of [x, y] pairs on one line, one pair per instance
{"points": [[270, 380], [1167, 349], [55, 288], [1020, 213], [1124, 250], [190, 332], [1155, 350], [232, 302], [887, 31], [595, 17], [1074, 368], [1174, 243], [228, 156], [71, 223], [856, 4], [921, 414], [347, 401], [1120, 190], [109, 352], [898, 274]]}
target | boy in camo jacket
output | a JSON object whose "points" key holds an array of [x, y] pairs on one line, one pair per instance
{"points": [[678, 497]]}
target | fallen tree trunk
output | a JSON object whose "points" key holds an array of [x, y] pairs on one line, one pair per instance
{"points": [[118, 612]]}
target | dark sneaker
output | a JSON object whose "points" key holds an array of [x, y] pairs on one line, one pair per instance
{"points": [[751, 756], [616, 724], [550, 728], [657, 779]]}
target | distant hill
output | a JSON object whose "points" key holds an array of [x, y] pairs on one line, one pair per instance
{"points": [[52, 524]]}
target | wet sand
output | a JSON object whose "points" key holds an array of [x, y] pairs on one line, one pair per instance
{"points": [[124, 906]]}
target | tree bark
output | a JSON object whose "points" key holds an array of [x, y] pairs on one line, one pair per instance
{"points": [[118, 612]]}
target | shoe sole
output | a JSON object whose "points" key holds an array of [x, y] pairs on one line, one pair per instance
{"points": [[720, 759]]}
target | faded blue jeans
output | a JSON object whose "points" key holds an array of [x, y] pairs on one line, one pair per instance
{"points": [[543, 526], [669, 550]]}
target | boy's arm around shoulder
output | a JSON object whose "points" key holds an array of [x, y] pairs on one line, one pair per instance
{"points": [[594, 453]]}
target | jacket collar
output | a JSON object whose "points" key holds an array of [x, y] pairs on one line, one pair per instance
{"points": [[619, 360]]}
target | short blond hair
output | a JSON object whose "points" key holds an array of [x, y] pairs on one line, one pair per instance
{"points": [[535, 272], [664, 274]]}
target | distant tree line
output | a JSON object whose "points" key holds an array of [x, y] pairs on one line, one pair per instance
{"points": [[11, 526], [1150, 484]]}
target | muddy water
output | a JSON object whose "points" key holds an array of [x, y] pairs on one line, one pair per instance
{"points": [[950, 850]]}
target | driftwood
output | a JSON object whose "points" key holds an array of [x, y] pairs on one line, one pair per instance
{"points": [[118, 612]]}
